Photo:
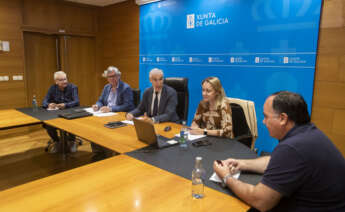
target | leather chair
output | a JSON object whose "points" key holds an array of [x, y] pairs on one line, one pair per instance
{"points": [[248, 108], [136, 96], [240, 126], [180, 84]]}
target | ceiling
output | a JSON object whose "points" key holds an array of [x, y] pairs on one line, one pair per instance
{"points": [[100, 3]]}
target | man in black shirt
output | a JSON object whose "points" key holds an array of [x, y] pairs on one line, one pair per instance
{"points": [[60, 95], [305, 172]]}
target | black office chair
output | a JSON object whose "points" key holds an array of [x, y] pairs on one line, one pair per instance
{"points": [[136, 96], [240, 126], [180, 84]]}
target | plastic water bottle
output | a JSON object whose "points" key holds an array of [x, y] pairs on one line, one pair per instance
{"points": [[183, 135], [198, 176], [34, 104]]}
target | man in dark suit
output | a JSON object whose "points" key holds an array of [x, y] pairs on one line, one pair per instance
{"points": [[159, 101], [116, 95]]}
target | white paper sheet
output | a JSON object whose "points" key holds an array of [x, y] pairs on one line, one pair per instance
{"points": [[127, 122], [192, 137], [216, 179], [56, 108], [99, 113]]}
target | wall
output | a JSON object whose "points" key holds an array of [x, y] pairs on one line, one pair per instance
{"points": [[52, 15], [328, 111], [12, 93], [118, 41], [44, 16]]}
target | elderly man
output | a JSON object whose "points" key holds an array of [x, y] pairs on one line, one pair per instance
{"points": [[305, 172], [116, 95], [60, 95], [159, 101]]}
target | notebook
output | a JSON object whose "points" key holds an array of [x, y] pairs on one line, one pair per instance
{"points": [[146, 133], [77, 113]]}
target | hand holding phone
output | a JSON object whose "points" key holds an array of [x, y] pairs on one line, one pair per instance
{"points": [[219, 162]]}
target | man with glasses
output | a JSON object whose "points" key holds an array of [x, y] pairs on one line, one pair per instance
{"points": [[159, 101], [117, 96], [60, 95], [305, 172]]}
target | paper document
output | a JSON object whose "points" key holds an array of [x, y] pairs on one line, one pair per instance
{"points": [[127, 122], [56, 108], [99, 113], [216, 179], [192, 137]]}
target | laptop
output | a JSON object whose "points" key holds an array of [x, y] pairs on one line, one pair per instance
{"points": [[76, 113], [146, 133]]}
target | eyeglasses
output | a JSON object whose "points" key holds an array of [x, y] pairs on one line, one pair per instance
{"points": [[61, 80], [111, 76], [201, 143]]}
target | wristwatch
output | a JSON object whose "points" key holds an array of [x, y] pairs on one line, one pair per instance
{"points": [[225, 179], [205, 131]]}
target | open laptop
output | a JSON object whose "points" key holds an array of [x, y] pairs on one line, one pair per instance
{"points": [[146, 133]]}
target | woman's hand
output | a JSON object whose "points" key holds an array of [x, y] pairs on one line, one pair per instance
{"points": [[196, 131]]}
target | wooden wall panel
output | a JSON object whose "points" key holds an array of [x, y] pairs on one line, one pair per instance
{"points": [[328, 111], [119, 40], [40, 55], [80, 65], [12, 93], [53, 15]]}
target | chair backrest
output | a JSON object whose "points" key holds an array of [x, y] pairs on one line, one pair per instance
{"points": [[180, 84], [250, 114], [136, 96], [240, 126]]}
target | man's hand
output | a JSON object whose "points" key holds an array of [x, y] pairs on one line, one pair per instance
{"points": [[52, 106], [61, 105], [129, 116], [233, 165], [105, 109], [148, 119], [95, 107], [221, 169]]}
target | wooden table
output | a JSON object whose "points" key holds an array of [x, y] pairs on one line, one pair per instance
{"points": [[119, 183], [121, 139], [12, 118]]}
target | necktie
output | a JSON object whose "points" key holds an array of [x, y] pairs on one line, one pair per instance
{"points": [[155, 105]]}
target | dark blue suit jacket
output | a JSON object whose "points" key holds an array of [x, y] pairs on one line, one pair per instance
{"points": [[124, 101], [69, 96], [166, 108]]}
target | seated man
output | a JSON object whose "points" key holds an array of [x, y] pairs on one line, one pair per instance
{"points": [[117, 96], [305, 172], [159, 101], [61, 95]]}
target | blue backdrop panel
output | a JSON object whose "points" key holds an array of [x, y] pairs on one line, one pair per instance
{"points": [[256, 47]]}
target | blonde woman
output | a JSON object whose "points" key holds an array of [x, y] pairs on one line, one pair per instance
{"points": [[213, 116]]}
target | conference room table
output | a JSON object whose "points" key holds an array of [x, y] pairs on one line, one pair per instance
{"points": [[118, 183], [120, 140], [142, 178], [12, 118]]}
